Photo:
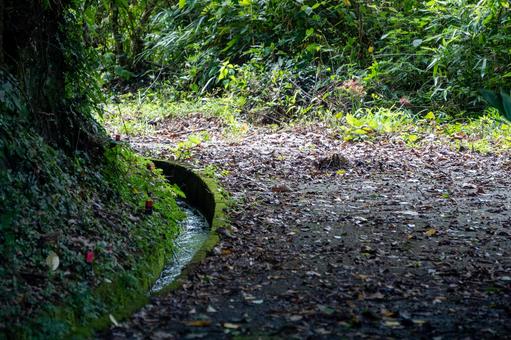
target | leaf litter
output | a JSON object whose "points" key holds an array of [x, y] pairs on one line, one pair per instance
{"points": [[406, 243]]}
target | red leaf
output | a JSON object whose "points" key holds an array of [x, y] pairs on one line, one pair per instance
{"points": [[149, 204], [89, 257]]}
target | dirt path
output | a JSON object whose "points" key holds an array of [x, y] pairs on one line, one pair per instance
{"points": [[380, 240]]}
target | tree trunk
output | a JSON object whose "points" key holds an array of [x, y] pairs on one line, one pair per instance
{"points": [[137, 42], [1, 32], [119, 50], [35, 42]]}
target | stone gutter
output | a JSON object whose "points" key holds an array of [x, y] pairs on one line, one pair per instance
{"points": [[204, 194]]}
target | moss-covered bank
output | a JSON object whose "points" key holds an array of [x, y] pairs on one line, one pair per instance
{"points": [[86, 213], [76, 246]]}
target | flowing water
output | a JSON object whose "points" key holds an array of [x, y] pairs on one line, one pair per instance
{"points": [[195, 230]]}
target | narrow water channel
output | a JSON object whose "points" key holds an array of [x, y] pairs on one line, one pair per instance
{"points": [[195, 231]]}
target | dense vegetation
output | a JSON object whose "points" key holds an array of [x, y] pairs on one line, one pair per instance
{"points": [[75, 243], [66, 189], [296, 57]]}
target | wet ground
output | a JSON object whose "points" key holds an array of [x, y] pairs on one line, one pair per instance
{"points": [[342, 240]]}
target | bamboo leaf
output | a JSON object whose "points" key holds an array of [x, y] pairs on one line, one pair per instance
{"points": [[493, 99], [506, 103]]}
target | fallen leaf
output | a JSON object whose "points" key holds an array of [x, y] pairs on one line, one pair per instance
{"points": [[89, 256], [281, 188], [392, 324], [408, 212], [326, 310], [322, 331], [114, 322], [362, 277], [313, 273], [229, 325], [439, 299], [198, 323], [295, 318], [53, 261], [430, 232], [468, 186], [389, 313], [226, 251], [248, 297], [376, 296], [419, 322]]}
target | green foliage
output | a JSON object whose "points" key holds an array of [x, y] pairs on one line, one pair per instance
{"points": [[183, 149], [483, 134], [501, 101], [208, 36], [129, 174], [295, 58], [69, 205], [140, 113], [65, 190], [212, 171], [291, 59], [47, 77], [447, 50]]}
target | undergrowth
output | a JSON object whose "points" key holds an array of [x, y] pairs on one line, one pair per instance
{"points": [[87, 214], [139, 114], [486, 132], [278, 62], [291, 58]]}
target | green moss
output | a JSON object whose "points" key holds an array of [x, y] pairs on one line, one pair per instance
{"points": [[121, 298], [128, 290], [208, 196], [70, 204]]}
